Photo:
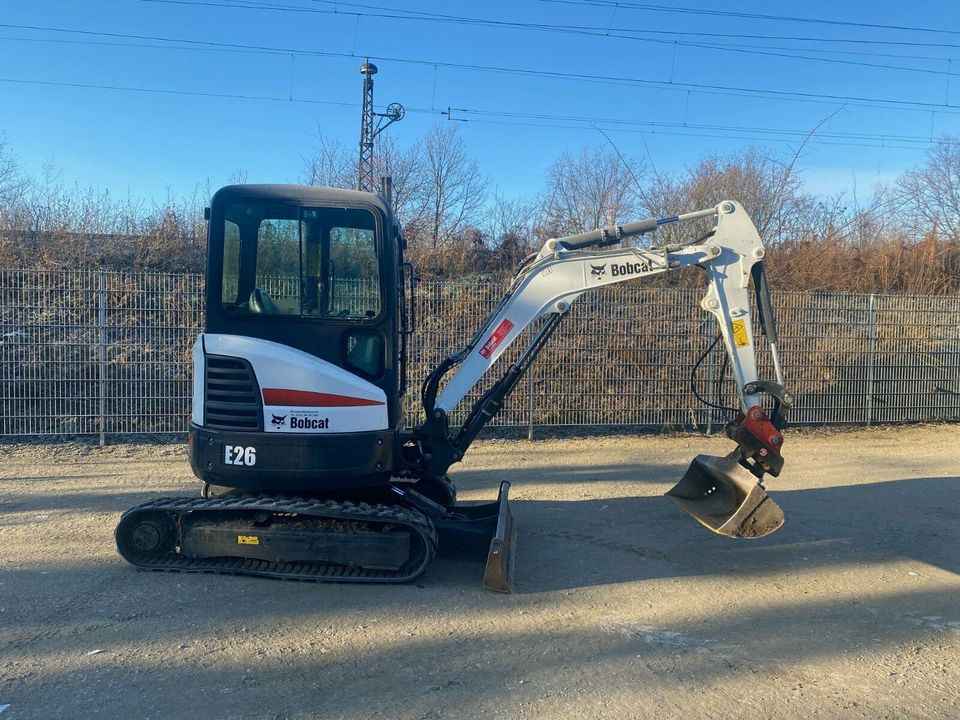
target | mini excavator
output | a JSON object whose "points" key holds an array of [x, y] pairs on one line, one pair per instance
{"points": [[309, 469]]}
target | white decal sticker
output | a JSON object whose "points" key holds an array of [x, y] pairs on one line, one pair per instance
{"points": [[239, 455]]}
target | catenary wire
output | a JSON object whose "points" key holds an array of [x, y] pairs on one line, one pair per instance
{"points": [[747, 15], [515, 123], [734, 91]]}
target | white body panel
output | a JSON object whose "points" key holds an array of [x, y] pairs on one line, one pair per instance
{"points": [[300, 393]]}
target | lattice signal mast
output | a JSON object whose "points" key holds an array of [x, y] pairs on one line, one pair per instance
{"points": [[371, 126]]}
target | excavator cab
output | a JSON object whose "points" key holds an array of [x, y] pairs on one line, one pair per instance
{"points": [[321, 278], [303, 355], [297, 430]]}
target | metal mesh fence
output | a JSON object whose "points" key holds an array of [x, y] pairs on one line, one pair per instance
{"points": [[90, 352]]}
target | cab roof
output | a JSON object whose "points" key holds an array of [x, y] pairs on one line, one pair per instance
{"points": [[305, 194]]}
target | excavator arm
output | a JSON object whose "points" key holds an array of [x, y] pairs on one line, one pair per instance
{"points": [[724, 494]]}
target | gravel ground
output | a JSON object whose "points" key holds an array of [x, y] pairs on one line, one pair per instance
{"points": [[625, 607]]}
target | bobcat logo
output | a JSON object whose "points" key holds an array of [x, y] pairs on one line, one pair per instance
{"points": [[279, 420], [598, 271]]}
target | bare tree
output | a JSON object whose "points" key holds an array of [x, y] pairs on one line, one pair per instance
{"points": [[334, 165], [407, 169], [455, 189], [13, 181], [510, 223], [238, 177], [906, 240], [330, 165], [590, 189], [931, 194], [768, 186]]}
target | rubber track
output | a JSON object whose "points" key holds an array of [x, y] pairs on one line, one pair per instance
{"points": [[417, 522]]}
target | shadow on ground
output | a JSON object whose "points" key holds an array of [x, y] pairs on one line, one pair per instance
{"points": [[565, 545], [65, 610], [569, 544], [478, 664]]}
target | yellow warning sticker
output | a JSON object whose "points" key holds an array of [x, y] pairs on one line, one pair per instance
{"points": [[248, 540], [741, 338]]}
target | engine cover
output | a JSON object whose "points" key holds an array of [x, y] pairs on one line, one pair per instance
{"points": [[295, 392]]}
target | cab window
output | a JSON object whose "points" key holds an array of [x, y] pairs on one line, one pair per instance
{"points": [[355, 276], [300, 261]]}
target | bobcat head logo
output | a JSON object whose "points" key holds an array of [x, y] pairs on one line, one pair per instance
{"points": [[598, 271], [279, 420]]}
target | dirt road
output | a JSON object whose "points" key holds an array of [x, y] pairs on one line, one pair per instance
{"points": [[625, 608]]}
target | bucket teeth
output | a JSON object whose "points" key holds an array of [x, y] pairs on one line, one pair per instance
{"points": [[726, 498]]}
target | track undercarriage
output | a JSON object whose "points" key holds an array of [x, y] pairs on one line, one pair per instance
{"points": [[317, 540]]}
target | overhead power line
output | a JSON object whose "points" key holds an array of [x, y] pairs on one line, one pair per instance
{"points": [[254, 49], [751, 16], [785, 53], [151, 46], [715, 136], [376, 11], [505, 117], [657, 124], [708, 89], [166, 91], [617, 4], [382, 12], [727, 45], [512, 117]]}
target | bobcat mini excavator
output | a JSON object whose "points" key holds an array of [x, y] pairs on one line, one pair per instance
{"points": [[310, 471]]}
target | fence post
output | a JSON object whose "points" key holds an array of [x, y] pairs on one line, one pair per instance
{"points": [[871, 348], [530, 402], [102, 326]]}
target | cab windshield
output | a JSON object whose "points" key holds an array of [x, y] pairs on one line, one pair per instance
{"points": [[281, 259]]}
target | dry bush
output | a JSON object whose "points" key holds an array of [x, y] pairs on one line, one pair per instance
{"points": [[45, 224], [906, 241]]}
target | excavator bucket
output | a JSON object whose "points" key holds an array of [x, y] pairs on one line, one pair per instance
{"points": [[726, 498], [498, 574]]}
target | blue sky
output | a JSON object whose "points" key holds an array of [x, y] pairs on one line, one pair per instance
{"points": [[694, 84]]}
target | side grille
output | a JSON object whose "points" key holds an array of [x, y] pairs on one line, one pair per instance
{"points": [[232, 397]]}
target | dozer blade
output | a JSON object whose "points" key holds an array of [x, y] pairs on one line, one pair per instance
{"points": [[725, 497], [498, 575]]}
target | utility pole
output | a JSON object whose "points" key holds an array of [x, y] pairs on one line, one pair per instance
{"points": [[365, 175], [370, 127]]}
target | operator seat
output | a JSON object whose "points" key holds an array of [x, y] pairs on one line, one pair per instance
{"points": [[261, 302]]}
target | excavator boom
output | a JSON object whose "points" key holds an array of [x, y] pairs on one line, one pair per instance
{"points": [[724, 494]]}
